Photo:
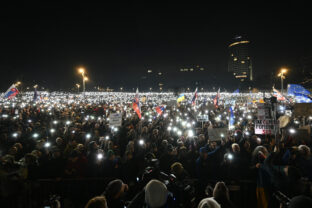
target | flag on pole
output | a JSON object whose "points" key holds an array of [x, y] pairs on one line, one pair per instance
{"points": [[160, 110], [194, 97], [302, 98], [278, 95], [35, 95], [295, 88], [11, 92], [231, 119], [216, 99], [136, 104], [236, 91], [180, 98]]}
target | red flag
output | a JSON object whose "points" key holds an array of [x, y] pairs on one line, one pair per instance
{"points": [[136, 104], [216, 99]]}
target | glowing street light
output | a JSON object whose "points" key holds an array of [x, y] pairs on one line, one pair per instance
{"points": [[47, 144], [78, 86], [281, 74], [84, 78]]}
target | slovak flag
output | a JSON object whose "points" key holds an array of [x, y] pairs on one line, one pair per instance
{"points": [[278, 95], [11, 92], [194, 97], [216, 99], [160, 110], [136, 104]]}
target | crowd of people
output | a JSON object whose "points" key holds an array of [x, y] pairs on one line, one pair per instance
{"points": [[165, 159]]}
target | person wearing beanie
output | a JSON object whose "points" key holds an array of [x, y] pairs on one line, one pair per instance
{"points": [[222, 196], [97, 202], [208, 203], [156, 194], [114, 193]]}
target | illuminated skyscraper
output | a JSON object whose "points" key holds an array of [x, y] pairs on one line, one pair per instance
{"points": [[239, 60]]}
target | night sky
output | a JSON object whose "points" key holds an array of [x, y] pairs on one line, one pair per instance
{"points": [[45, 44]]}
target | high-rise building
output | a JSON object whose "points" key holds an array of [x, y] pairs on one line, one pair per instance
{"points": [[239, 60]]}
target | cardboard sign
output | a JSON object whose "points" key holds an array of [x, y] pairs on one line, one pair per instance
{"points": [[202, 118], [266, 126], [215, 134], [115, 119], [263, 111], [303, 109]]}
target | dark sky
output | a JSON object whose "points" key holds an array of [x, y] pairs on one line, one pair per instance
{"points": [[117, 43]]}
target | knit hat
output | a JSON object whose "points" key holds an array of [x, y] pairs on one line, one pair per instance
{"points": [[176, 168], [208, 203], [156, 194], [113, 188], [300, 202], [221, 192]]}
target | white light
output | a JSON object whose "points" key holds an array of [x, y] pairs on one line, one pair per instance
{"points": [[282, 108], [29, 121], [15, 135], [35, 135], [188, 125], [230, 156], [54, 122], [240, 118], [169, 128], [67, 122], [292, 131], [310, 117], [141, 141], [175, 129], [190, 133], [297, 122], [249, 117], [222, 135], [179, 133], [100, 156], [247, 133], [5, 116], [115, 129], [52, 130], [73, 132], [258, 140], [47, 144], [206, 111], [88, 136], [107, 137]]}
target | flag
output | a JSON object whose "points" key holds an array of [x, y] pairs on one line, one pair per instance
{"points": [[278, 95], [216, 99], [180, 98], [160, 110], [11, 92], [236, 91], [35, 94], [136, 104], [302, 98], [231, 119], [295, 88], [194, 97]]}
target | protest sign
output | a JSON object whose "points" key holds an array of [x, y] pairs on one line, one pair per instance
{"points": [[266, 126], [115, 119]]}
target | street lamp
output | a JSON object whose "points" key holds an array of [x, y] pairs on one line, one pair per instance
{"points": [[78, 86], [82, 72], [281, 74]]}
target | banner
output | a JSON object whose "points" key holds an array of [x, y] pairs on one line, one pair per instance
{"points": [[115, 119], [266, 126]]}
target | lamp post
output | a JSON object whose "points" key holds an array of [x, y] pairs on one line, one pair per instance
{"points": [[78, 86], [84, 79], [281, 74]]}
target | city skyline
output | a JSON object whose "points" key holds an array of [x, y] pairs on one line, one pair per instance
{"points": [[118, 44]]}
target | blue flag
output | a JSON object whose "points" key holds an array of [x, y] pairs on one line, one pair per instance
{"points": [[35, 95], [298, 89], [231, 119], [236, 91], [301, 98]]}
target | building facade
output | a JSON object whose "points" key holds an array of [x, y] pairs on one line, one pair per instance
{"points": [[239, 63]]}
